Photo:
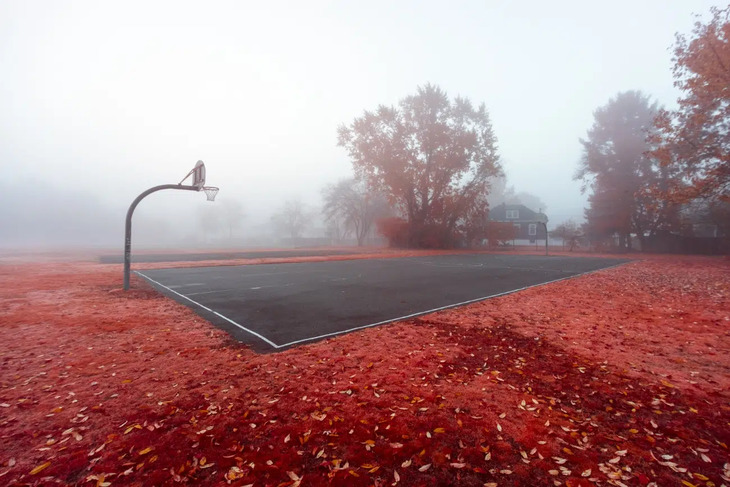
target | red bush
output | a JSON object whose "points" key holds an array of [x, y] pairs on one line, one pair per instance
{"points": [[395, 229], [500, 232]]}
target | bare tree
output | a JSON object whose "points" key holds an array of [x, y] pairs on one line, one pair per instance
{"points": [[349, 201], [210, 220], [529, 200], [232, 215], [336, 230], [291, 218], [567, 231], [500, 193]]}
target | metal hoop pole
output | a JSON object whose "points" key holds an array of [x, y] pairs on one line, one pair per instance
{"points": [[128, 225]]}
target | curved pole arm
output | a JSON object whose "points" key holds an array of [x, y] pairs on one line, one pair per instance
{"points": [[128, 224]]}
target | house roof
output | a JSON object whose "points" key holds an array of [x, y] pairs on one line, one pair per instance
{"points": [[525, 214]]}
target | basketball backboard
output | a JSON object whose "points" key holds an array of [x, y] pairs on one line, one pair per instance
{"points": [[199, 175]]}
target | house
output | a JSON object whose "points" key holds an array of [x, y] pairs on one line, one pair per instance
{"points": [[529, 223]]}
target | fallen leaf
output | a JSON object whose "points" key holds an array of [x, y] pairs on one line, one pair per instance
{"points": [[40, 468]]}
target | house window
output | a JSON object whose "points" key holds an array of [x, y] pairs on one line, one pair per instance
{"points": [[532, 229], [513, 214]]}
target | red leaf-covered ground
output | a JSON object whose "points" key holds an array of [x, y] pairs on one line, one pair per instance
{"points": [[620, 377]]}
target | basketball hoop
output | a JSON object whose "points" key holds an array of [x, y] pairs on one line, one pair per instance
{"points": [[198, 174], [210, 192]]}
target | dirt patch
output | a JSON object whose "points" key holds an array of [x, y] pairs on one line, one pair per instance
{"points": [[618, 377]]}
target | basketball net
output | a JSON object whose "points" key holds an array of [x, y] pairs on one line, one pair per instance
{"points": [[210, 192]]}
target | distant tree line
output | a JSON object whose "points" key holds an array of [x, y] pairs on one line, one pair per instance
{"points": [[427, 170], [654, 172]]}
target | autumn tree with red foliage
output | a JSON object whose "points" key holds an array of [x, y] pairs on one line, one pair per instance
{"points": [[694, 139], [616, 166], [432, 157]]}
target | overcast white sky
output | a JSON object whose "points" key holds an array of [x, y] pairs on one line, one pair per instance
{"points": [[114, 97]]}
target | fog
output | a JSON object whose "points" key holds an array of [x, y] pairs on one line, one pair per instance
{"points": [[100, 101]]}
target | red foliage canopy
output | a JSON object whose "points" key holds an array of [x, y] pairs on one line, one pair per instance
{"points": [[431, 156], [695, 138]]}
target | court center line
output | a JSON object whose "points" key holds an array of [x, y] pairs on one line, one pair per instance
{"points": [[207, 292], [482, 266], [463, 303], [188, 285], [288, 273], [211, 311]]}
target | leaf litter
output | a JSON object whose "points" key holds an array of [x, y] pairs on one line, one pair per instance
{"points": [[614, 378]]}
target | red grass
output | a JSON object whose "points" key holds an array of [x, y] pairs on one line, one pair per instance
{"points": [[623, 374]]}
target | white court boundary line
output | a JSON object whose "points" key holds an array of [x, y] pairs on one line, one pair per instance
{"points": [[391, 320], [214, 312]]}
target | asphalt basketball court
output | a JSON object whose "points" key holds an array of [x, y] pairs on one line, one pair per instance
{"points": [[277, 306]]}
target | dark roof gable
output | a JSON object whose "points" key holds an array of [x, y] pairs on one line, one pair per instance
{"points": [[525, 214]]}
